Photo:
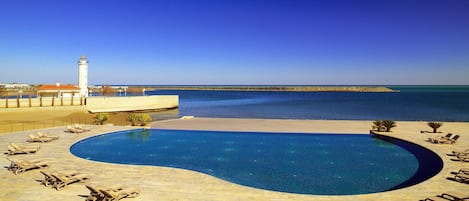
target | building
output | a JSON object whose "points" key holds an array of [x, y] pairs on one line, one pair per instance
{"points": [[58, 90], [15, 86], [69, 90]]}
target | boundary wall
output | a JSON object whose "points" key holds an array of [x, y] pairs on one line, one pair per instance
{"points": [[131, 103], [96, 103], [37, 102]]}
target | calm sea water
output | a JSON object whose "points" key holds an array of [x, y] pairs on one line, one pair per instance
{"points": [[438, 103], [320, 164]]}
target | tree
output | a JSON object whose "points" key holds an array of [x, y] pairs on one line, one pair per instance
{"points": [[435, 125], [378, 125], [388, 124]]}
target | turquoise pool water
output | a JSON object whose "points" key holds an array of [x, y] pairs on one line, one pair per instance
{"points": [[320, 164]]}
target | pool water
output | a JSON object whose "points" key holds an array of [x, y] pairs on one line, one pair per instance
{"points": [[320, 164]]}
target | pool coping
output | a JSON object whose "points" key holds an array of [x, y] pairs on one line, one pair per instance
{"points": [[163, 183]]}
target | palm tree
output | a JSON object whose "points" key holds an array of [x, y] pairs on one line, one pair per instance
{"points": [[378, 124], [435, 125], [388, 124]]}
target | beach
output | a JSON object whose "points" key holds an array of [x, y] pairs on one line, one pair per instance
{"points": [[163, 183]]}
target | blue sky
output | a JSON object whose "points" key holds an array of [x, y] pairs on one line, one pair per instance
{"points": [[236, 41]]}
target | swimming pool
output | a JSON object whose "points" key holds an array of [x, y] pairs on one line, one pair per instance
{"points": [[319, 164]]}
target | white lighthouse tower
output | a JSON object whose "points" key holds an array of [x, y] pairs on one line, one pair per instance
{"points": [[83, 76]]}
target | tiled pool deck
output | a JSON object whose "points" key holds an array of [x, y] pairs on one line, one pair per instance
{"points": [[161, 183]]}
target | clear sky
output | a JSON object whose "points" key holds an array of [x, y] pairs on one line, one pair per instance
{"points": [[372, 42]]}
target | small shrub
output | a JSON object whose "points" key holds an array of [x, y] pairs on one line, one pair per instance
{"points": [[100, 118], [144, 119], [133, 119], [139, 119]]}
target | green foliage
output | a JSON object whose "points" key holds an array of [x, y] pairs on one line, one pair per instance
{"points": [[100, 118], [140, 119], [144, 119], [378, 125], [133, 119], [388, 124], [435, 125]]}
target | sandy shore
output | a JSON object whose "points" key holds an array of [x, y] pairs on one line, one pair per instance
{"points": [[22, 119], [161, 183]]}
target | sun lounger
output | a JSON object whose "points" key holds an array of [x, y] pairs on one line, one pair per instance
{"points": [[21, 149], [455, 196], [455, 153], [76, 129], [462, 157], [447, 136], [445, 140], [447, 196], [71, 129], [463, 171], [62, 180], [96, 194], [124, 193], [40, 134], [434, 198], [77, 126], [20, 166], [35, 138], [22, 146], [50, 180], [453, 139], [462, 177]]}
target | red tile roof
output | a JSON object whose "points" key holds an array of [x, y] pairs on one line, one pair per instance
{"points": [[55, 87]]}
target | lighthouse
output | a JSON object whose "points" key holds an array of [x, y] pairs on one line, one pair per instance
{"points": [[83, 76]]}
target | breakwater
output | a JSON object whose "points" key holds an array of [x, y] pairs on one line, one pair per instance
{"points": [[278, 88]]}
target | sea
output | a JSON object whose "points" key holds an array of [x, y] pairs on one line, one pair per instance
{"points": [[410, 103]]}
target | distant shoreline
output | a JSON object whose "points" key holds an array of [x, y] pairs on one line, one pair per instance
{"points": [[277, 88]]}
